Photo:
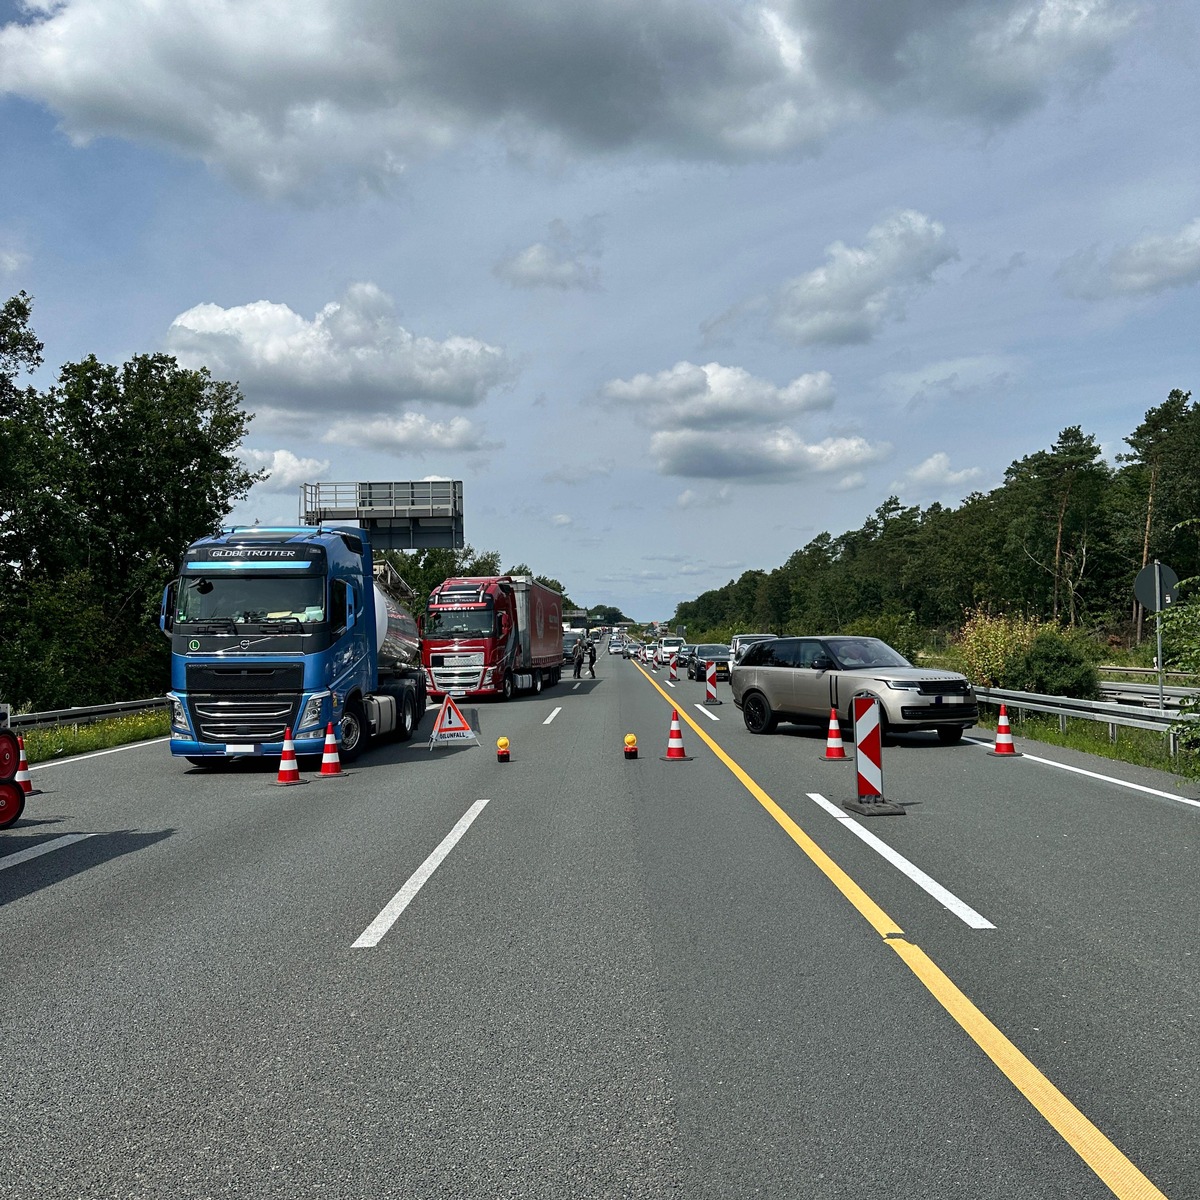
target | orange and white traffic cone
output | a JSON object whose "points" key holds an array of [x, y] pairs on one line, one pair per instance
{"points": [[289, 768], [331, 764], [23, 779], [675, 741], [1004, 747], [835, 751]]}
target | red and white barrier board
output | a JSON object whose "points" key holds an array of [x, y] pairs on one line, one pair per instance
{"points": [[868, 761]]}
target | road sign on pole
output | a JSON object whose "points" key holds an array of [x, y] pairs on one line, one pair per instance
{"points": [[1157, 587]]}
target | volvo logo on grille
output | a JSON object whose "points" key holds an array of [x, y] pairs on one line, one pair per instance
{"points": [[244, 643]]}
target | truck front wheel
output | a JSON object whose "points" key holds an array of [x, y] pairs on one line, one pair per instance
{"points": [[506, 689], [354, 731]]}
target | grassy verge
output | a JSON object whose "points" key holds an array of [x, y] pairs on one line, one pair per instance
{"points": [[1141, 747], [58, 741]]}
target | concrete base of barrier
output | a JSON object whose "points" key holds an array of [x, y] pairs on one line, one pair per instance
{"points": [[877, 807]]}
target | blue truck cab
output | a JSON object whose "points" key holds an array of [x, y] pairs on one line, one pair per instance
{"points": [[286, 630]]}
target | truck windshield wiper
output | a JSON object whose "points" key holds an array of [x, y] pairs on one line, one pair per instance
{"points": [[279, 624], [216, 625]]}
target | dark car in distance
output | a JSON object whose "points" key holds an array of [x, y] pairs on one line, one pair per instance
{"points": [[705, 653]]}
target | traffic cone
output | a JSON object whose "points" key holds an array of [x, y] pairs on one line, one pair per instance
{"points": [[22, 777], [675, 741], [331, 764], [834, 750], [631, 745], [502, 754], [289, 768], [1004, 747]]}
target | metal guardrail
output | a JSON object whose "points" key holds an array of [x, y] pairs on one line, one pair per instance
{"points": [[1148, 671], [1142, 693], [1064, 707], [84, 715]]}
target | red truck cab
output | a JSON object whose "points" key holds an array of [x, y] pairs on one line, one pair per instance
{"points": [[491, 636]]}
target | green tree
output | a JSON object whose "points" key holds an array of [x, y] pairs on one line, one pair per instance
{"points": [[121, 468], [1060, 491]]}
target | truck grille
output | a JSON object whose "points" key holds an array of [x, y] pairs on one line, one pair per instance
{"points": [[217, 677], [456, 679], [232, 718]]}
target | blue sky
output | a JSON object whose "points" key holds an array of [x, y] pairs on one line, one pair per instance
{"points": [[671, 285]]}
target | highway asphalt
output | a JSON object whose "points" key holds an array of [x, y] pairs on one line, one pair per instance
{"points": [[600, 977]]}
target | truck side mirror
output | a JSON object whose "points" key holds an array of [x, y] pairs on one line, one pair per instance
{"points": [[166, 614]]}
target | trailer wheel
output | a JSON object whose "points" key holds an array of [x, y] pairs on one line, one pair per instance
{"points": [[12, 803], [10, 755], [408, 719], [354, 731]]}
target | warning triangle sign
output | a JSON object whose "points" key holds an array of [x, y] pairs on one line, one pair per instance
{"points": [[450, 727]]}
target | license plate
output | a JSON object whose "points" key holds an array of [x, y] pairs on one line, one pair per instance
{"points": [[238, 748]]}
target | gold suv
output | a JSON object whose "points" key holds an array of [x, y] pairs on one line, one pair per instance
{"points": [[800, 679]]}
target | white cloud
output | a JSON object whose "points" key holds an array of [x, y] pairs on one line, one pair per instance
{"points": [[287, 471], [12, 259], [561, 520], [933, 477], [689, 498], [851, 483], [860, 288], [286, 97], [579, 472], [564, 262], [716, 397], [1150, 265], [352, 354], [951, 380], [774, 457], [413, 433]]}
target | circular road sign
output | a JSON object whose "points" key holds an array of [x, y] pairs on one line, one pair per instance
{"points": [[1143, 587]]}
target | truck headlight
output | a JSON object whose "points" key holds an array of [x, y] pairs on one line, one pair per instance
{"points": [[178, 716], [313, 711]]}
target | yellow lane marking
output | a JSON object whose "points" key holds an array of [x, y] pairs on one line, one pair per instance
{"points": [[1110, 1165]]}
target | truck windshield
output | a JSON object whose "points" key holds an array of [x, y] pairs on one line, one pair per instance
{"points": [[459, 622], [251, 598]]}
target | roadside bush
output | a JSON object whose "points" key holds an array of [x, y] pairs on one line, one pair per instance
{"points": [[1181, 652], [987, 643], [1055, 665]]}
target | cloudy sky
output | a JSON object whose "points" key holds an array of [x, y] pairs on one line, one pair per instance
{"points": [[672, 285]]}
